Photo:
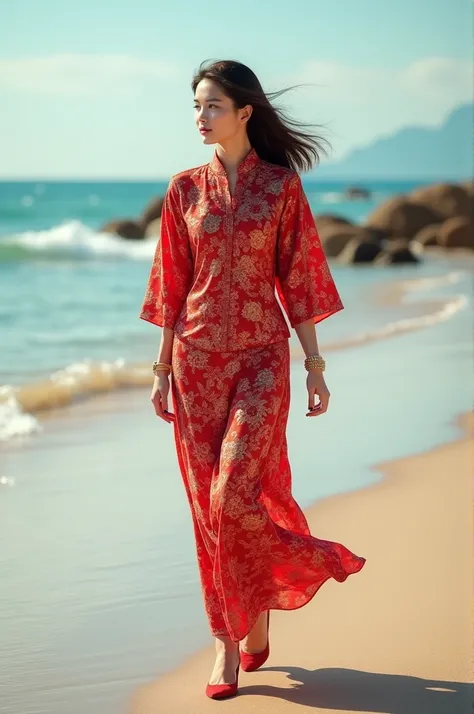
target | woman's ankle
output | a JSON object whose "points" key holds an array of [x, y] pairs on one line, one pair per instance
{"points": [[224, 642], [257, 638]]}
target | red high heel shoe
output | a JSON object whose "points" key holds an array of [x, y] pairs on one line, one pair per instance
{"points": [[224, 691], [252, 661]]}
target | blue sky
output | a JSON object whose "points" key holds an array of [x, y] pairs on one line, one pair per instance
{"points": [[102, 89]]}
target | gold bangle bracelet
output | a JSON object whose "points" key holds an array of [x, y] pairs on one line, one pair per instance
{"points": [[161, 367], [315, 362]]}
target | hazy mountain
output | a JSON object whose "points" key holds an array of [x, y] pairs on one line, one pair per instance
{"points": [[415, 152]]}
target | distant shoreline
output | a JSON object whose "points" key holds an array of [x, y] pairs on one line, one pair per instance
{"points": [[307, 177]]}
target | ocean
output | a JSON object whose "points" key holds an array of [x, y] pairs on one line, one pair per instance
{"points": [[100, 589], [70, 295]]}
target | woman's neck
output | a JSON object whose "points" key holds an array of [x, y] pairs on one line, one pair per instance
{"points": [[232, 154]]}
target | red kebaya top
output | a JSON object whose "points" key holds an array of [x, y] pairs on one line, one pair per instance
{"points": [[220, 257]]}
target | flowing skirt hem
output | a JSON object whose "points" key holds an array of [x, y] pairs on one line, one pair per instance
{"points": [[273, 603]]}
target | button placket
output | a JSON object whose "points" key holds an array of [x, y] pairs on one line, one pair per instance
{"points": [[231, 206], [229, 229]]}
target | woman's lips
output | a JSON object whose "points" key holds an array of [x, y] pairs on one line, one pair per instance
{"points": [[204, 131]]}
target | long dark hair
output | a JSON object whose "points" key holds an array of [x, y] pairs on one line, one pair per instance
{"points": [[275, 136]]}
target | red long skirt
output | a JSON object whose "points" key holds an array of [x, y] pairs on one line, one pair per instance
{"points": [[254, 548]]}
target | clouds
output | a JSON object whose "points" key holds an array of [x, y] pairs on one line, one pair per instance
{"points": [[444, 78], [83, 75], [432, 76], [64, 113]]}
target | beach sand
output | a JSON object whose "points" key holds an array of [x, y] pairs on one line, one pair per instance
{"points": [[396, 637]]}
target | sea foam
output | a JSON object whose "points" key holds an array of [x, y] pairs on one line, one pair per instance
{"points": [[73, 240]]}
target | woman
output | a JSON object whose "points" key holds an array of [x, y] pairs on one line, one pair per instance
{"points": [[231, 231]]}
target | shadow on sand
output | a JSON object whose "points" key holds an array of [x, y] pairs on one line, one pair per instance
{"points": [[353, 690]]}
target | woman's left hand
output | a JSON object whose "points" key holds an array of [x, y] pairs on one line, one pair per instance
{"points": [[316, 385]]}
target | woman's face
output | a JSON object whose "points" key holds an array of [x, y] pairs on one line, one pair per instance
{"points": [[216, 116]]}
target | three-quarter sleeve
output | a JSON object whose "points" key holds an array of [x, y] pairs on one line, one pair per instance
{"points": [[303, 280], [172, 266]]}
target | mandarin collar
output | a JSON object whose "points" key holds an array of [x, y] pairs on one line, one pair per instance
{"points": [[245, 166]]}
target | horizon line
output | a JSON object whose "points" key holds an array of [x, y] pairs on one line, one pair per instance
{"points": [[155, 179]]}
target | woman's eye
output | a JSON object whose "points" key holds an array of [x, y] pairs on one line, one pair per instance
{"points": [[209, 105]]}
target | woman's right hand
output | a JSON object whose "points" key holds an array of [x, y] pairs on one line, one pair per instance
{"points": [[159, 396]]}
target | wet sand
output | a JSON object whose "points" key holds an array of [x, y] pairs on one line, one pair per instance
{"points": [[396, 637]]}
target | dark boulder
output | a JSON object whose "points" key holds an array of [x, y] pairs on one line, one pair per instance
{"points": [[445, 199], [357, 251], [456, 233], [125, 228], [335, 237], [357, 193], [397, 252], [469, 188], [428, 236], [399, 218]]}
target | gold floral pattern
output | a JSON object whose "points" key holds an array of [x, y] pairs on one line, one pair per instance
{"points": [[211, 223], [252, 311], [257, 239], [215, 268], [254, 547], [222, 261]]}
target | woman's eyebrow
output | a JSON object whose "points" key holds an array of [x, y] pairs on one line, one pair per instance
{"points": [[211, 99]]}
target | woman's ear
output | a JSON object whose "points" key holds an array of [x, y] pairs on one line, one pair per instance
{"points": [[246, 113]]}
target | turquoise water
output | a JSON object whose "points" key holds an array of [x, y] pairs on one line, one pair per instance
{"points": [[68, 293], [32, 206]]}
